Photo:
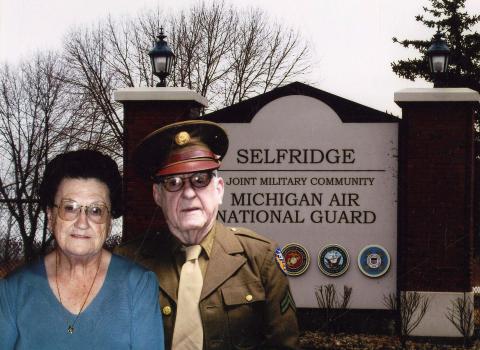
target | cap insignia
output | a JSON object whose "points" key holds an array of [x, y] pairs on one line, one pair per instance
{"points": [[182, 138]]}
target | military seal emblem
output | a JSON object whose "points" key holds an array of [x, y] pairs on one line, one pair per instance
{"points": [[333, 260], [374, 261], [297, 259]]}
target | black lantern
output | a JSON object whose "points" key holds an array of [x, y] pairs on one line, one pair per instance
{"points": [[161, 57], [438, 54]]}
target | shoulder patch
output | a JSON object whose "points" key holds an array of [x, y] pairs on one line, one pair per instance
{"points": [[280, 260]]}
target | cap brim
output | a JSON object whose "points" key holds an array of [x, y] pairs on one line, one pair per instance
{"points": [[189, 167]]}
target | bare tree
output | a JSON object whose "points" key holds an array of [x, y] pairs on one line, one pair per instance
{"points": [[204, 37], [333, 305], [8, 251], [264, 56], [92, 80], [228, 55], [411, 307], [33, 125], [461, 316], [224, 53]]}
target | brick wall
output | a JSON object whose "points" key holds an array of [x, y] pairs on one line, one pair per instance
{"points": [[436, 197], [142, 118]]}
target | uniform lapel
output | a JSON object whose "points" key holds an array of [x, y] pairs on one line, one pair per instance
{"points": [[224, 260], [162, 262], [167, 276]]}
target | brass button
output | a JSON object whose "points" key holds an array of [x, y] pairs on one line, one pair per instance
{"points": [[249, 297], [167, 310]]}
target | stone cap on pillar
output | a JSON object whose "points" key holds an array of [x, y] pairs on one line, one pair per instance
{"points": [[158, 94], [436, 95]]}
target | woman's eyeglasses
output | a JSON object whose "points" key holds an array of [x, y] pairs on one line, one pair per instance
{"points": [[69, 210], [175, 183]]}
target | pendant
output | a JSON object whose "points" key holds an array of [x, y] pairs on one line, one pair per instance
{"points": [[70, 329]]}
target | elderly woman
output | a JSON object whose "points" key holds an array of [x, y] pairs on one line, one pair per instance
{"points": [[80, 296]]}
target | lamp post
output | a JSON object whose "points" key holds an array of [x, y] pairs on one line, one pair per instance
{"points": [[438, 55], [161, 57]]}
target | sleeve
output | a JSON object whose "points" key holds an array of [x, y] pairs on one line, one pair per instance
{"points": [[8, 329], [147, 325], [281, 328]]}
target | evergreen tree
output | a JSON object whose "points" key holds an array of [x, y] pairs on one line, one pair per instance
{"points": [[450, 18]]}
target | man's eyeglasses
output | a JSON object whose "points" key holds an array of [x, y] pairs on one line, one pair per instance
{"points": [[69, 210], [175, 183]]}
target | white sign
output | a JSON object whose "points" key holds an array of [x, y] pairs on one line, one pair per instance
{"points": [[298, 174]]}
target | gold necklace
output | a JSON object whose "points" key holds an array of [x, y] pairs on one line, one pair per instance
{"points": [[71, 327]]}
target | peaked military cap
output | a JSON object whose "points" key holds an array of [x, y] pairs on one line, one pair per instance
{"points": [[183, 147]]}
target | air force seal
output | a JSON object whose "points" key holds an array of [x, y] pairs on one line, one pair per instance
{"points": [[374, 261], [297, 259], [333, 260]]}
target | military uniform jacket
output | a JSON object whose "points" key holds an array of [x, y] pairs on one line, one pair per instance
{"points": [[245, 301]]}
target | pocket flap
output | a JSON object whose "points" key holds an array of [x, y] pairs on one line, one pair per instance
{"points": [[243, 293]]}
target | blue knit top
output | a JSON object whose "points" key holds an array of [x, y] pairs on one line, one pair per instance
{"points": [[125, 313]]}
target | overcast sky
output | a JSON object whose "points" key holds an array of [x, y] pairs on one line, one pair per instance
{"points": [[351, 39]]}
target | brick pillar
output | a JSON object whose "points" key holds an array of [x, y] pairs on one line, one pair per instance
{"points": [[145, 110], [436, 199]]}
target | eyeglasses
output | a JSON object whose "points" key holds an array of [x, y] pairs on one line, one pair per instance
{"points": [[175, 183], [70, 210]]}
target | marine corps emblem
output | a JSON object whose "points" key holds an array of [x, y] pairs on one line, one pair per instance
{"points": [[333, 260], [374, 261], [297, 259]]}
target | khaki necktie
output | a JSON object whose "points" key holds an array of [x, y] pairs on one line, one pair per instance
{"points": [[188, 331]]}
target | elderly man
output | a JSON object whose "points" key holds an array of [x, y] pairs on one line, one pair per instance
{"points": [[220, 287]]}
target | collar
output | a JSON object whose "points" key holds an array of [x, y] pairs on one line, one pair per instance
{"points": [[206, 243]]}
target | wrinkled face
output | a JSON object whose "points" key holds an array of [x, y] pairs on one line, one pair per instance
{"points": [[82, 236], [190, 212]]}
